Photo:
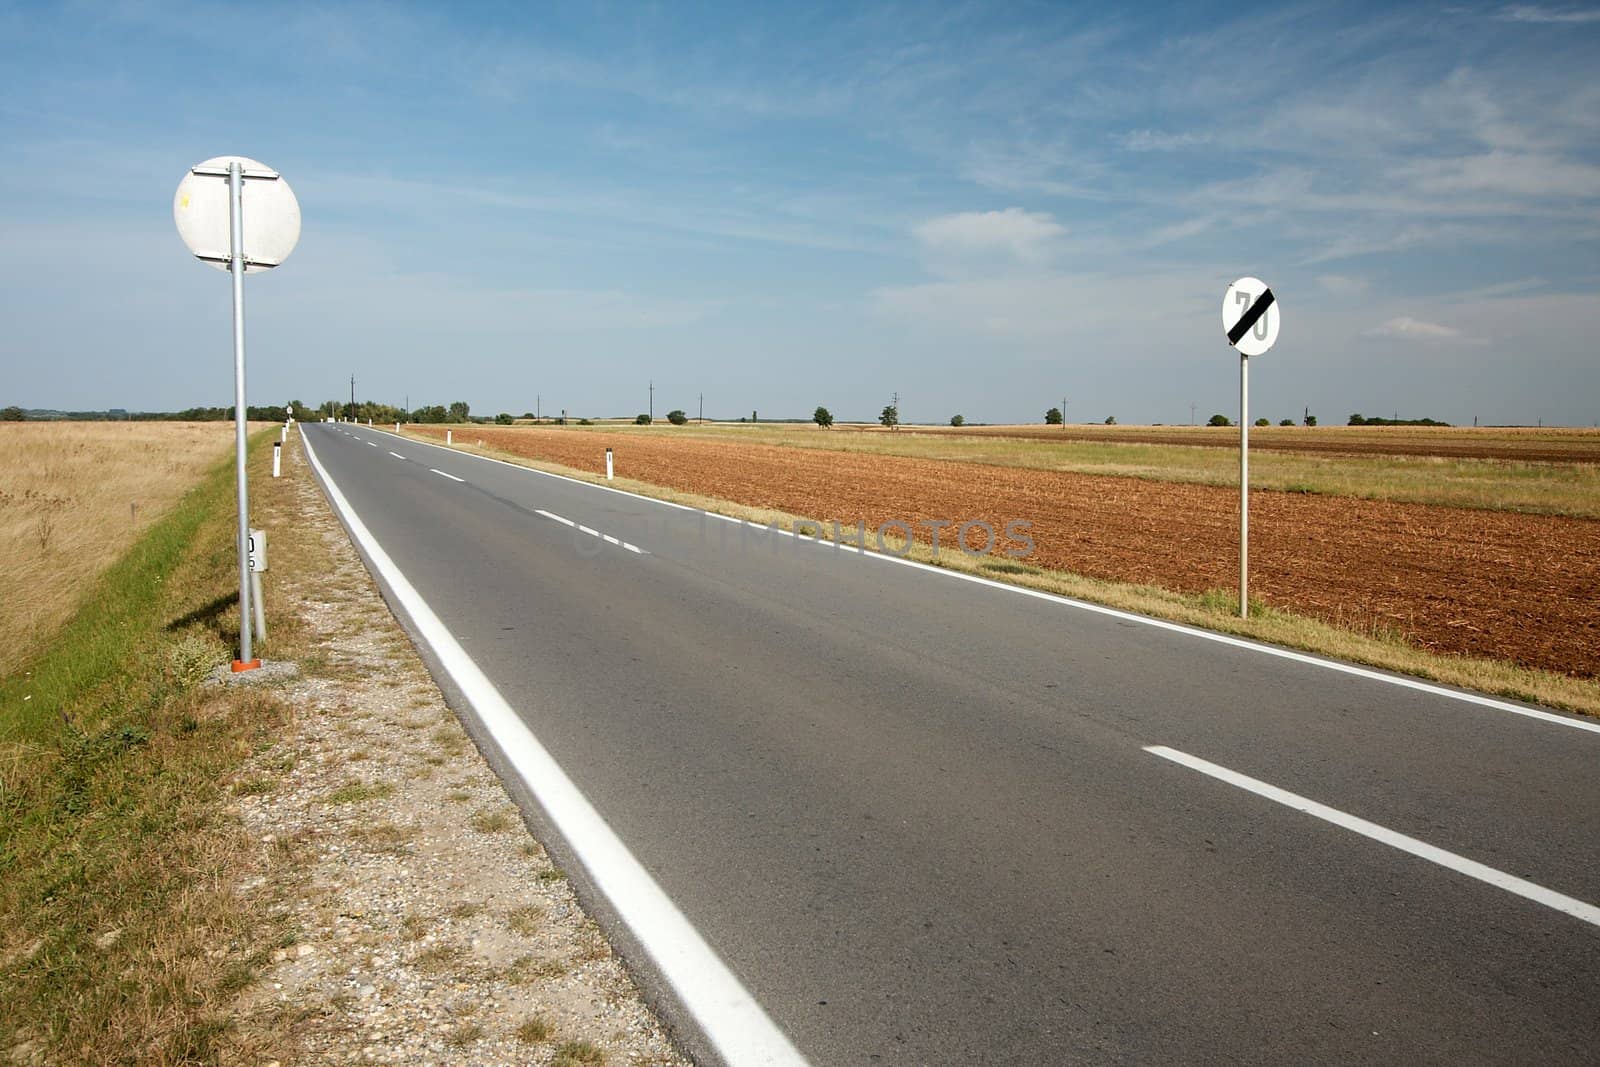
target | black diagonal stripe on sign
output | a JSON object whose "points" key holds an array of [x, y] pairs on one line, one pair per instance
{"points": [[1251, 314]]}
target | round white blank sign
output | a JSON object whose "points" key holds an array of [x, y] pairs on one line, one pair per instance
{"points": [[271, 215], [1241, 296]]}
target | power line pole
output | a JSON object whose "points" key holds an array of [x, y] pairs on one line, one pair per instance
{"points": [[352, 396], [702, 409], [537, 410], [1063, 413], [652, 400]]}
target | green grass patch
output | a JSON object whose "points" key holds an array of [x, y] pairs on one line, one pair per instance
{"points": [[121, 939]]}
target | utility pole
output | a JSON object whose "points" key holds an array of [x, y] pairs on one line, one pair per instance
{"points": [[1063, 414], [652, 400], [896, 410], [352, 396], [537, 410], [1192, 406], [408, 407], [702, 409]]}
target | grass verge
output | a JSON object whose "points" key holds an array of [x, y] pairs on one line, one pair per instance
{"points": [[121, 937], [1216, 610]]}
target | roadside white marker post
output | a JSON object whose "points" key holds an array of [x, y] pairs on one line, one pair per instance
{"points": [[608, 464], [258, 563], [397, 427], [1250, 321], [449, 437], [210, 219], [277, 458]]}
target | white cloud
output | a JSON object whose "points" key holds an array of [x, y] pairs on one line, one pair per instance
{"points": [[1343, 284], [1507, 173], [1534, 13], [1160, 141], [1026, 237], [1406, 328]]}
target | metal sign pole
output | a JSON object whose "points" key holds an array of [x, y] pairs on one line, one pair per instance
{"points": [[246, 660], [1244, 486]]}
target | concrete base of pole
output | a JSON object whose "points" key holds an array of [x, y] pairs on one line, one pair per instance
{"points": [[264, 672]]}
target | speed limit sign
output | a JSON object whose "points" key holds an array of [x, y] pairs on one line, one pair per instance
{"points": [[1250, 316]]}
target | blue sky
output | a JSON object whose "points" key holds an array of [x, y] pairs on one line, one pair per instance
{"points": [[982, 207]]}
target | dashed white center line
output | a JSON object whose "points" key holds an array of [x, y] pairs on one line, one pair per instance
{"points": [[371, 445], [442, 474], [1460, 864], [397, 455], [563, 520]]}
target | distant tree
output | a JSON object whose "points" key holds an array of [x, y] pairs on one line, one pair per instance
{"points": [[1111, 420], [677, 417], [13, 414], [1263, 422], [1357, 420], [1286, 422], [753, 417], [641, 420], [1053, 417], [504, 419], [1311, 420], [581, 422], [1219, 420], [890, 416], [458, 411], [957, 420], [822, 417], [530, 416]]}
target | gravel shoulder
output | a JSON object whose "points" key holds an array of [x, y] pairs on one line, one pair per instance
{"points": [[416, 919]]}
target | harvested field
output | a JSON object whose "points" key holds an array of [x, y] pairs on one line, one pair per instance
{"points": [[73, 496], [1502, 585], [1524, 444]]}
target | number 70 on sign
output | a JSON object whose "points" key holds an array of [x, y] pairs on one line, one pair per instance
{"points": [[1250, 316]]}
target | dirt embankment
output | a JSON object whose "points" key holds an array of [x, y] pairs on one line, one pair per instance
{"points": [[1458, 581]]}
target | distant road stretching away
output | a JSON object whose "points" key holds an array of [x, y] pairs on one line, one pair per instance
{"points": [[920, 819]]}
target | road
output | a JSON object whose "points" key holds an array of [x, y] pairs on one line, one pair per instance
{"points": [[928, 820]]}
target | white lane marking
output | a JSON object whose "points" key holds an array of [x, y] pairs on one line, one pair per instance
{"points": [[592, 533], [371, 445], [726, 1012], [397, 455], [441, 473], [1115, 613], [1460, 864]]}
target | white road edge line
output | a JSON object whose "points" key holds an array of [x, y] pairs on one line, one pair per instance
{"points": [[1100, 609], [397, 455], [732, 1021], [1460, 864], [441, 473]]}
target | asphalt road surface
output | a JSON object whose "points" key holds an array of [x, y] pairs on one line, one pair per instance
{"points": [[920, 820]]}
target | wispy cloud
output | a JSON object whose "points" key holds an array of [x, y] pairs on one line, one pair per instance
{"points": [[1026, 236], [1406, 328], [1548, 15]]}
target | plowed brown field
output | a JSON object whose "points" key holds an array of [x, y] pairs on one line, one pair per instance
{"points": [[1486, 583], [1523, 444]]}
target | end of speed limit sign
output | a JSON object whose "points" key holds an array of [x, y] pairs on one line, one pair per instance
{"points": [[1250, 316]]}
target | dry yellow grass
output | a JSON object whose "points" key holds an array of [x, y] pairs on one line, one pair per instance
{"points": [[73, 497]]}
